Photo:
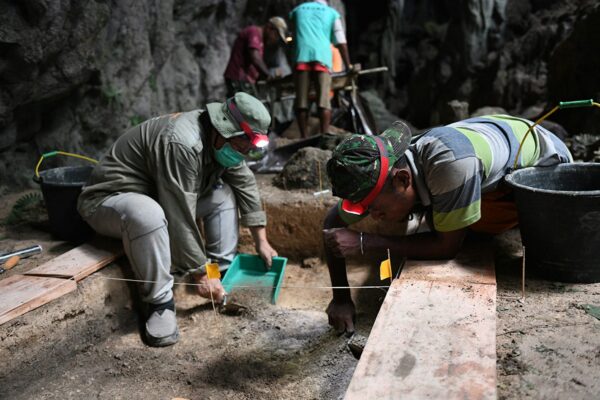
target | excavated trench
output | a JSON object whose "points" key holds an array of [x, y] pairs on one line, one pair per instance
{"points": [[87, 344]]}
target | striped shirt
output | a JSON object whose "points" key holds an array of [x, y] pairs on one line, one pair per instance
{"points": [[454, 164]]}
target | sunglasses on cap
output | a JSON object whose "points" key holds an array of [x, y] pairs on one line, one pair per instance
{"points": [[257, 139], [360, 207]]}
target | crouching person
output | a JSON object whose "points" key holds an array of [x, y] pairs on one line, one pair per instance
{"points": [[160, 179], [453, 175]]}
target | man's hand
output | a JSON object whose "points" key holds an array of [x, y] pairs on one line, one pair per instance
{"points": [[341, 316], [266, 252], [273, 75], [206, 286], [262, 245], [342, 242]]}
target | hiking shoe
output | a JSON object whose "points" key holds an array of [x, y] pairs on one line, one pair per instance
{"points": [[161, 326]]}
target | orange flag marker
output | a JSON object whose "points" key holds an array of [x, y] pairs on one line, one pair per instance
{"points": [[212, 270]]}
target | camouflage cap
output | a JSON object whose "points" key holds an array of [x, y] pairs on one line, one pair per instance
{"points": [[354, 165]]}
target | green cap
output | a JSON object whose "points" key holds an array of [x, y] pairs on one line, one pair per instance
{"points": [[354, 165], [252, 109]]}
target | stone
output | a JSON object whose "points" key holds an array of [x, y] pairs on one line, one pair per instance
{"points": [[311, 262], [382, 116], [453, 111], [302, 170], [488, 110]]}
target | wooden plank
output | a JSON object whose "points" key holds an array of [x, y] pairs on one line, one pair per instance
{"points": [[81, 261], [474, 264], [435, 335], [20, 293]]}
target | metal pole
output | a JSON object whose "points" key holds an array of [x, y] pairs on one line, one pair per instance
{"points": [[23, 253]]}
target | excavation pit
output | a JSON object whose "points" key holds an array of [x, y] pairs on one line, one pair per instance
{"points": [[87, 344]]}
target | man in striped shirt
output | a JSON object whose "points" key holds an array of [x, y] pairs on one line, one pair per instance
{"points": [[453, 173]]}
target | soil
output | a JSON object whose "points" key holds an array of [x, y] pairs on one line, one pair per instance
{"points": [[548, 346], [87, 344]]}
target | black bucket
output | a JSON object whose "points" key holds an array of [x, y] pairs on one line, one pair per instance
{"points": [[61, 188], [559, 219]]}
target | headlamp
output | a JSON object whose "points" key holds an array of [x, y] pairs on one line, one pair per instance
{"points": [[257, 139]]}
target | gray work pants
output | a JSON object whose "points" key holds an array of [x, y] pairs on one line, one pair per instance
{"points": [[140, 222]]}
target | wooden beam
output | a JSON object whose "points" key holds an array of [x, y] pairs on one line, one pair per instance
{"points": [[81, 261], [435, 335], [20, 294]]}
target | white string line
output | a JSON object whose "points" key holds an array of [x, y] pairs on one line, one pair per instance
{"points": [[249, 287]]}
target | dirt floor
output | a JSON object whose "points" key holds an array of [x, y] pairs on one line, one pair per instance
{"points": [[87, 344], [548, 345]]}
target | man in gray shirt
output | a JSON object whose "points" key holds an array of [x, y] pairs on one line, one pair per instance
{"points": [[162, 178]]}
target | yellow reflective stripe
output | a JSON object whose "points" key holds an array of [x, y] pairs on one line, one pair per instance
{"points": [[530, 151], [481, 147], [457, 219]]}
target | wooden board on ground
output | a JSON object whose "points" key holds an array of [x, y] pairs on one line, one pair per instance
{"points": [[474, 264], [20, 293], [81, 261], [435, 335]]}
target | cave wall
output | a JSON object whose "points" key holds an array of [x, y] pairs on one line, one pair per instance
{"points": [[502, 53], [573, 73], [74, 74]]}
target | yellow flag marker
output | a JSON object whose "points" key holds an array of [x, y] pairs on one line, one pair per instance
{"points": [[385, 268], [212, 271]]}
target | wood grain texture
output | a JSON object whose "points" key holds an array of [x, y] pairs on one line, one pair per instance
{"points": [[81, 261], [20, 293], [435, 335]]}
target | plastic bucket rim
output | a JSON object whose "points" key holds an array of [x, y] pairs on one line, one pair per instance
{"points": [[40, 179], [509, 179]]}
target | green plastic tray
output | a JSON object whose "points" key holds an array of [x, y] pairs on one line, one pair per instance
{"points": [[250, 270]]}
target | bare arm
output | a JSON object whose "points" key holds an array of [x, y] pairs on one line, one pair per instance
{"points": [[340, 311], [432, 245], [335, 263], [262, 245], [258, 62], [343, 48], [339, 39], [425, 246]]}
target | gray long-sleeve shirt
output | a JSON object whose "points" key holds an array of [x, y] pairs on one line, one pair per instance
{"points": [[168, 159]]}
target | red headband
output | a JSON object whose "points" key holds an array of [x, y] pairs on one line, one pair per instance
{"points": [[361, 207]]}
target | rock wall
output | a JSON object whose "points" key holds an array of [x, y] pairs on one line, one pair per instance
{"points": [[503, 53], [573, 73], [74, 74]]}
